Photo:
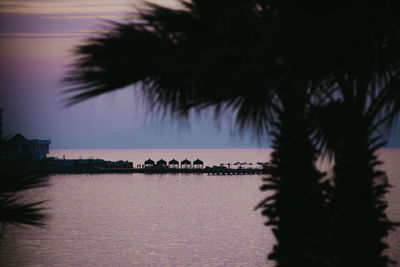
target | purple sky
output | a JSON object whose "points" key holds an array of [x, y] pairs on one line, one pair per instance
{"points": [[36, 39]]}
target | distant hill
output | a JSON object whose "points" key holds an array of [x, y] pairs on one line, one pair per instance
{"points": [[167, 135]]}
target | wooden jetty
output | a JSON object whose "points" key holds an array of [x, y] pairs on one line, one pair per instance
{"points": [[207, 170], [53, 165]]}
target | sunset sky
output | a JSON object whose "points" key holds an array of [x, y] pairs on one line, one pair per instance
{"points": [[36, 40], [36, 43]]}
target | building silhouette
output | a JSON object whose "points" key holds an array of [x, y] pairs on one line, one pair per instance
{"points": [[20, 148]]}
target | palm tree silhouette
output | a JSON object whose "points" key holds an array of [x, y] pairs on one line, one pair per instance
{"points": [[16, 178], [207, 56], [349, 53], [359, 221], [297, 70]]}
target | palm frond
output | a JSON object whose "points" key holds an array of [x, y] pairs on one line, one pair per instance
{"points": [[183, 60], [16, 178]]}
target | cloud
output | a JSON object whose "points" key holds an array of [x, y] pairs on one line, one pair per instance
{"points": [[72, 34], [15, 25], [63, 7], [64, 18], [73, 7], [108, 16]]}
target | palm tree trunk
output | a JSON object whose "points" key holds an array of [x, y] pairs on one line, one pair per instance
{"points": [[358, 209], [296, 208]]}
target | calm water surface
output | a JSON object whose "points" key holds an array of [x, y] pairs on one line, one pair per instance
{"points": [[158, 220]]}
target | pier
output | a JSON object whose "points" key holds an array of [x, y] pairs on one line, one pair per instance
{"points": [[207, 170], [149, 167]]}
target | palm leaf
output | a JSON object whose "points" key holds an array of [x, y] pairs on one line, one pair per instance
{"points": [[18, 177], [182, 60]]}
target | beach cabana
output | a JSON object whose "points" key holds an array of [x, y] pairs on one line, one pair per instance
{"points": [[186, 164], [198, 164], [161, 164], [149, 163], [260, 164], [173, 164]]}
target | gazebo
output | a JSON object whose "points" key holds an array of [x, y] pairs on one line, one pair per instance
{"points": [[149, 163], [237, 164], [161, 164], [186, 164], [173, 164], [198, 164]]}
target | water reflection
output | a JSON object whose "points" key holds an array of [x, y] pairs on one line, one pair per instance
{"points": [[138, 219]]}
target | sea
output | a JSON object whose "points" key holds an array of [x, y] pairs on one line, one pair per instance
{"points": [[159, 219]]}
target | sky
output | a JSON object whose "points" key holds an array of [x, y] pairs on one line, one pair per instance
{"points": [[36, 42]]}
